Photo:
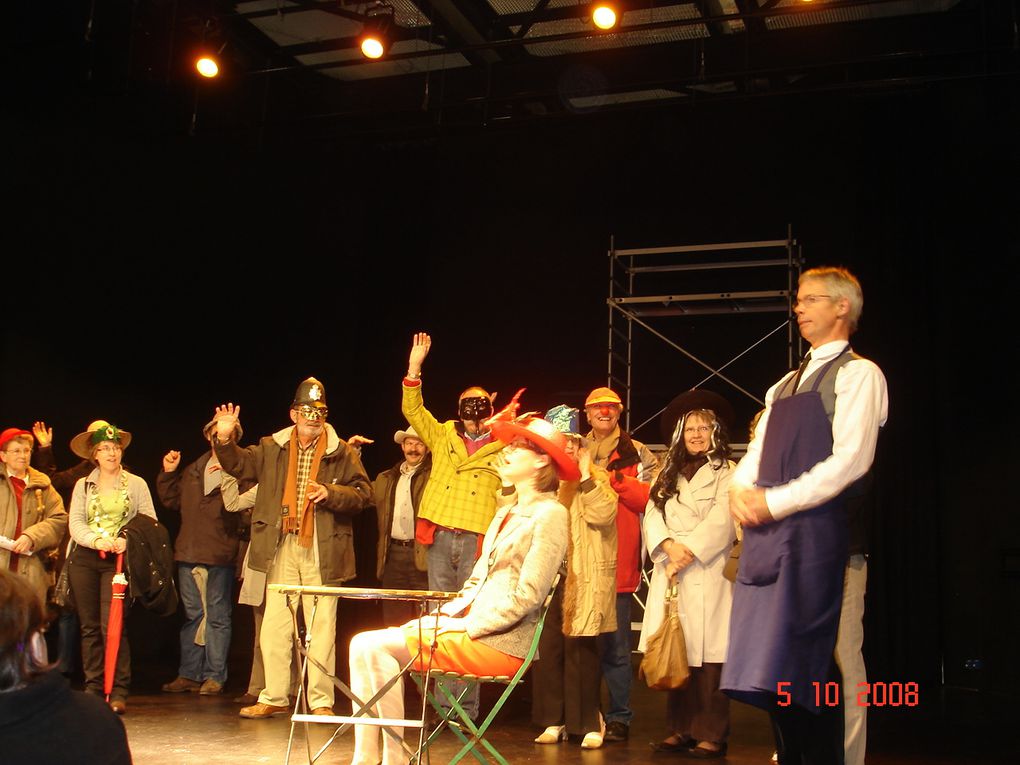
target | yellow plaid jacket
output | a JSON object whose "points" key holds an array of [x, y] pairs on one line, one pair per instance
{"points": [[461, 492]]}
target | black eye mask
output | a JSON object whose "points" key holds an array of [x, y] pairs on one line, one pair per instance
{"points": [[474, 408]]}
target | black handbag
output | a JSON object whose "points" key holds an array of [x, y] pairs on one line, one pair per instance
{"points": [[62, 596]]}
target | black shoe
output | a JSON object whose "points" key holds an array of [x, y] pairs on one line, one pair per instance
{"points": [[700, 753], [684, 744], [616, 731]]}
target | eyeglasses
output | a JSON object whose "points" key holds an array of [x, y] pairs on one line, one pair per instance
{"points": [[692, 429], [109, 447], [19, 450], [810, 299]]}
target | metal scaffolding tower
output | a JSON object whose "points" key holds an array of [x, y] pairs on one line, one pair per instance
{"points": [[702, 280]]}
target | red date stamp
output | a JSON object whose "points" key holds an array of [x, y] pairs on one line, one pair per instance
{"points": [[878, 694]]}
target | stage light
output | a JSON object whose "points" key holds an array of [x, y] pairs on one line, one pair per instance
{"points": [[375, 37], [603, 15], [207, 67]]}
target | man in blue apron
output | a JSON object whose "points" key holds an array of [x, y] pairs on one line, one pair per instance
{"points": [[816, 437]]}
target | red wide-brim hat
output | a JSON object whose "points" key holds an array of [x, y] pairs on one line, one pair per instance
{"points": [[546, 437]]}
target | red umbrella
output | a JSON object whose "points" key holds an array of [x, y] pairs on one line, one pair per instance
{"points": [[115, 625]]}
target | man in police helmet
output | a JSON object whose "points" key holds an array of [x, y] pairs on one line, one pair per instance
{"points": [[311, 484]]}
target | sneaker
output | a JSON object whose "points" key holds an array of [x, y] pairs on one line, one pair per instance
{"points": [[261, 711], [182, 685], [616, 731], [210, 688]]}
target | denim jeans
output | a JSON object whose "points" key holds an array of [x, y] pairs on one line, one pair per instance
{"points": [[615, 648], [451, 558], [208, 662]]}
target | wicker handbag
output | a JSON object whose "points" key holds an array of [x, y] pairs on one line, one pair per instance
{"points": [[664, 666]]}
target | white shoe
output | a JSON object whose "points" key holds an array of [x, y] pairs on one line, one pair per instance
{"points": [[593, 740], [554, 734], [775, 757]]}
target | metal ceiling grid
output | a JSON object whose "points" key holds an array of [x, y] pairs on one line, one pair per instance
{"points": [[621, 39], [855, 13]]}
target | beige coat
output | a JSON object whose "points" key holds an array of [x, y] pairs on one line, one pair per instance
{"points": [[43, 520], [698, 515], [589, 598], [501, 600]]}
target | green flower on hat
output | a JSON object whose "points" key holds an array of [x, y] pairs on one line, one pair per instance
{"points": [[109, 433]]}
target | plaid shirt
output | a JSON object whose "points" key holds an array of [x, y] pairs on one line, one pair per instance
{"points": [[304, 467], [461, 492]]}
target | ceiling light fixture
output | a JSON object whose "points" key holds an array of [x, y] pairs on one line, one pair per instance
{"points": [[207, 66], [603, 15], [375, 40]]}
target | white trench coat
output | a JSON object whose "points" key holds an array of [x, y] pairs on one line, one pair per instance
{"points": [[698, 515]]}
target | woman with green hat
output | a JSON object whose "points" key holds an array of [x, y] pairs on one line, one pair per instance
{"points": [[102, 504]]}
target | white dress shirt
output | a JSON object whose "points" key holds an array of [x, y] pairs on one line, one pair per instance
{"points": [[862, 407]]}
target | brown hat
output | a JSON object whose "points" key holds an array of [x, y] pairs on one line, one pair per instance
{"points": [[97, 432]]}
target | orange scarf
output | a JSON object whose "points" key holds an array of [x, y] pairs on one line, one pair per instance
{"points": [[302, 519]]}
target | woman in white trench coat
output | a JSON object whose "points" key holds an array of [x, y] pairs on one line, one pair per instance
{"points": [[689, 532]]}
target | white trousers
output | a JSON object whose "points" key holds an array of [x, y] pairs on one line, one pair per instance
{"points": [[295, 564], [849, 657], [375, 657]]}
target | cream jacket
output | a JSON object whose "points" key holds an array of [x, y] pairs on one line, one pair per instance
{"points": [[698, 515]]}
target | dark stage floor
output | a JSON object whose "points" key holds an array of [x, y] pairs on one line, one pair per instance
{"points": [[948, 727], [166, 729]]}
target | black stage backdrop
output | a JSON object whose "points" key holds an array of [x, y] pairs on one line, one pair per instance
{"points": [[149, 276]]}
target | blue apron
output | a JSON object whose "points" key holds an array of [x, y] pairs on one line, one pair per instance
{"points": [[789, 586]]}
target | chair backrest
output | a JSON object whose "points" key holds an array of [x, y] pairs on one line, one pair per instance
{"points": [[533, 649]]}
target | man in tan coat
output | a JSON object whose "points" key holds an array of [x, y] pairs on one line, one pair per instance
{"points": [[32, 515]]}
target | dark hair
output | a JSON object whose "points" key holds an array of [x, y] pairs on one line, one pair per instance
{"points": [[21, 619], [678, 457]]}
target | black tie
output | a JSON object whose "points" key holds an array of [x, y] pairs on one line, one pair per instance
{"points": [[800, 371]]}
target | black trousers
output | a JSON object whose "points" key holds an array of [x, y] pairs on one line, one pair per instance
{"points": [[567, 677], [399, 573], [91, 583], [806, 738]]}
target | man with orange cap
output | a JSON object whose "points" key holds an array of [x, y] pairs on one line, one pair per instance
{"points": [[631, 467]]}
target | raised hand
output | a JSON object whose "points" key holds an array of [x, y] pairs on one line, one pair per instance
{"points": [[227, 417], [358, 441], [171, 461], [43, 435], [421, 343]]}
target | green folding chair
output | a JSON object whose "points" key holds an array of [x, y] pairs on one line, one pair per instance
{"points": [[472, 736]]}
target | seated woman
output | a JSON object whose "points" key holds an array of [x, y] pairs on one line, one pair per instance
{"points": [[689, 533], [489, 626], [41, 718]]}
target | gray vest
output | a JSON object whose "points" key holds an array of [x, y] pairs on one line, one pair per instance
{"points": [[857, 496]]}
